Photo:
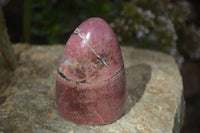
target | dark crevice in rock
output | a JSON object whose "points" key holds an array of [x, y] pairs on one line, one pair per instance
{"points": [[2, 99], [70, 80], [74, 33]]}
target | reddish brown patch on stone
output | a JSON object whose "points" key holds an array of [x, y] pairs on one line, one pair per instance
{"points": [[78, 107], [111, 58], [94, 66], [70, 69], [80, 72], [98, 64]]}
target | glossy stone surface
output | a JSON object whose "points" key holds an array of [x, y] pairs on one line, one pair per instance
{"points": [[90, 86]]}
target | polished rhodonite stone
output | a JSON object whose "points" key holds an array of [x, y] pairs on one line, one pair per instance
{"points": [[90, 86]]}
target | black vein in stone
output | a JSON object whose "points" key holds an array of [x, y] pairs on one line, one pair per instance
{"points": [[122, 67], [85, 81], [70, 80]]}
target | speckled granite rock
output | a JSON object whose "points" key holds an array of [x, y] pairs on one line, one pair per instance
{"points": [[27, 96]]}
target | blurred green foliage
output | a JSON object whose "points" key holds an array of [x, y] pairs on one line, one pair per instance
{"points": [[150, 24], [54, 20]]}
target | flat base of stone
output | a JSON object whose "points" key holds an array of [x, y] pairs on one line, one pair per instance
{"points": [[27, 95]]}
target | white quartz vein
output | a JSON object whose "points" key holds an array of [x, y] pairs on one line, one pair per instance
{"points": [[85, 39]]}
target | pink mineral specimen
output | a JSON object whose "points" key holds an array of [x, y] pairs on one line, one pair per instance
{"points": [[90, 86]]}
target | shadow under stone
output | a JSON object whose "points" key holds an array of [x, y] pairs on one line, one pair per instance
{"points": [[137, 78]]}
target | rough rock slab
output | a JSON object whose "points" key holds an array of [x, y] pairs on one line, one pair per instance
{"points": [[27, 96]]}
